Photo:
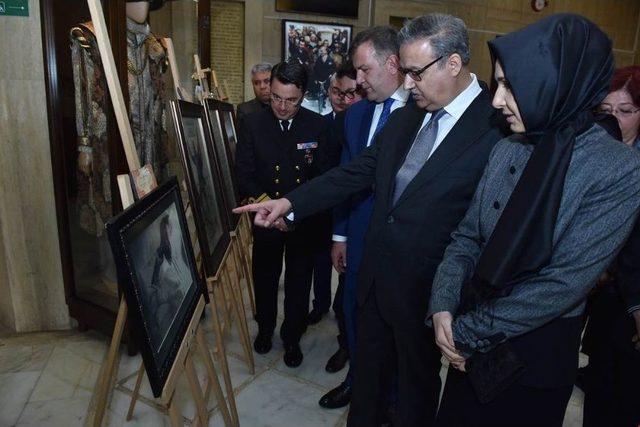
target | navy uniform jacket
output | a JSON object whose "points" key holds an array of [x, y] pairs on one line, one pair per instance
{"points": [[271, 163]]}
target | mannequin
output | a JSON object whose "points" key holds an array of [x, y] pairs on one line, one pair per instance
{"points": [[146, 63]]}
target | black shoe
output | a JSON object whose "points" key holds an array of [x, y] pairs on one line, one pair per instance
{"points": [[337, 361], [315, 316], [292, 355], [336, 398], [262, 344]]}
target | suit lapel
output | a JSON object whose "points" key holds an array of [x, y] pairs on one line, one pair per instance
{"points": [[365, 126], [473, 123]]}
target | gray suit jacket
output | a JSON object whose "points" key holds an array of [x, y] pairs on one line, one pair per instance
{"points": [[600, 202]]}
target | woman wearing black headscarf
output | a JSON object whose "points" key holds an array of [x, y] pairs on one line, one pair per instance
{"points": [[555, 203]]}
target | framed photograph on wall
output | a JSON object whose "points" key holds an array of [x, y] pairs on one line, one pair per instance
{"points": [[321, 48], [158, 276], [221, 121], [203, 182]]}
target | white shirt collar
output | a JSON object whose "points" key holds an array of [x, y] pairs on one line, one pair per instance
{"points": [[401, 95], [458, 106]]}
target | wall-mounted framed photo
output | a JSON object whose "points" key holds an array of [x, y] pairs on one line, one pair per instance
{"points": [[158, 276], [203, 182], [321, 48], [221, 120]]}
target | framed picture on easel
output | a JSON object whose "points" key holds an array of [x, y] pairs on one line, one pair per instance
{"points": [[203, 182], [158, 276], [222, 130]]}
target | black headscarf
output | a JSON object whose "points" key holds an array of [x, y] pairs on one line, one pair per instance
{"points": [[559, 70]]}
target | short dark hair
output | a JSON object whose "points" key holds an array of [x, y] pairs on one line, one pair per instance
{"points": [[383, 38], [346, 69], [291, 72]]}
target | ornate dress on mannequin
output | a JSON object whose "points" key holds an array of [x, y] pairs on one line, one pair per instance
{"points": [[147, 61]]}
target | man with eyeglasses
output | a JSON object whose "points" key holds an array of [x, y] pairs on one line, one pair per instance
{"points": [[279, 150], [425, 165]]}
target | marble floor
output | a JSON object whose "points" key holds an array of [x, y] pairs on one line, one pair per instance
{"points": [[46, 379]]}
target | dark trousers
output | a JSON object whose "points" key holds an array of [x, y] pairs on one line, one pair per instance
{"points": [[386, 340], [322, 279], [268, 249], [519, 405], [338, 309], [612, 378]]}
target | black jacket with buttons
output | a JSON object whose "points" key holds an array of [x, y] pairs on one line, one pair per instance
{"points": [[271, 162]]}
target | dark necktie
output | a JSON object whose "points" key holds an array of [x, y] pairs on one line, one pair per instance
{"points": [[418, 154], [285, 125], [386, 110]]}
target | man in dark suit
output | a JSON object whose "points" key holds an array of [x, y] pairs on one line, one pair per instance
{"points": [[384, 92], [261, 81], [343, 93], [424, 166], [278, 150]]}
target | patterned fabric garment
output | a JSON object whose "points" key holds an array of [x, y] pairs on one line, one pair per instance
{"points": [[91, 96], [147, 61], [146, 64]]}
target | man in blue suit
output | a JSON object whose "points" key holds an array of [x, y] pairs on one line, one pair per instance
{"points": [[374, 53], [343, 93]]}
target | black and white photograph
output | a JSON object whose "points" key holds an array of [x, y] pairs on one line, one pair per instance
{"points": [[321, 48], [157, 271], [224, 139], [203, 182]]}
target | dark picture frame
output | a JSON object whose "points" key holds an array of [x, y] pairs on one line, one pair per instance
{"points": [[306, 42], [222, 128], [203, 182], [158, 276]]}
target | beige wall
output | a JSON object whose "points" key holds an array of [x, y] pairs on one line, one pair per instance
{"points": [[227, 47], [485, 19], [488, 18], [31, 287]]}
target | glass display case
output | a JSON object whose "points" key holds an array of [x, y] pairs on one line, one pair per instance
{"points": [[86, 149]]}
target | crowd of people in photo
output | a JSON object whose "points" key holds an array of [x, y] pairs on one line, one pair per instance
{"points": [[320, 52], [490, 226]]}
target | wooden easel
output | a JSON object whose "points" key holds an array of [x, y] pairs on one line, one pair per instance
{"points": [[194, 338], [181, 93], [241, 236]]}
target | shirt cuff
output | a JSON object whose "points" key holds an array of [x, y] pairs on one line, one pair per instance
{"points": [[632, 309], [291, 216], [338, 238]]}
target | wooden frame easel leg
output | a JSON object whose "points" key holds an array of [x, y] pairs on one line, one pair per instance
{"points": [[136, 392], [214, 383], [240, 260], [222, 360], [202, 414], [243, 330], [105, 382]]}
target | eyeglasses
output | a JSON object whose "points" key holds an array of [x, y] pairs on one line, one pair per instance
{"points": [[289, 102], [348, 94], [623, 112], [416, 74]]}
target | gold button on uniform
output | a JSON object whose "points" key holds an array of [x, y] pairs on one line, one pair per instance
{"points": [[277, 194], [277, 181], [297, 167], [277, 168], [298, 180]]}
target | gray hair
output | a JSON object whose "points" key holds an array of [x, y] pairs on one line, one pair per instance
{"points": [[263, 67], [446, 34]]}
